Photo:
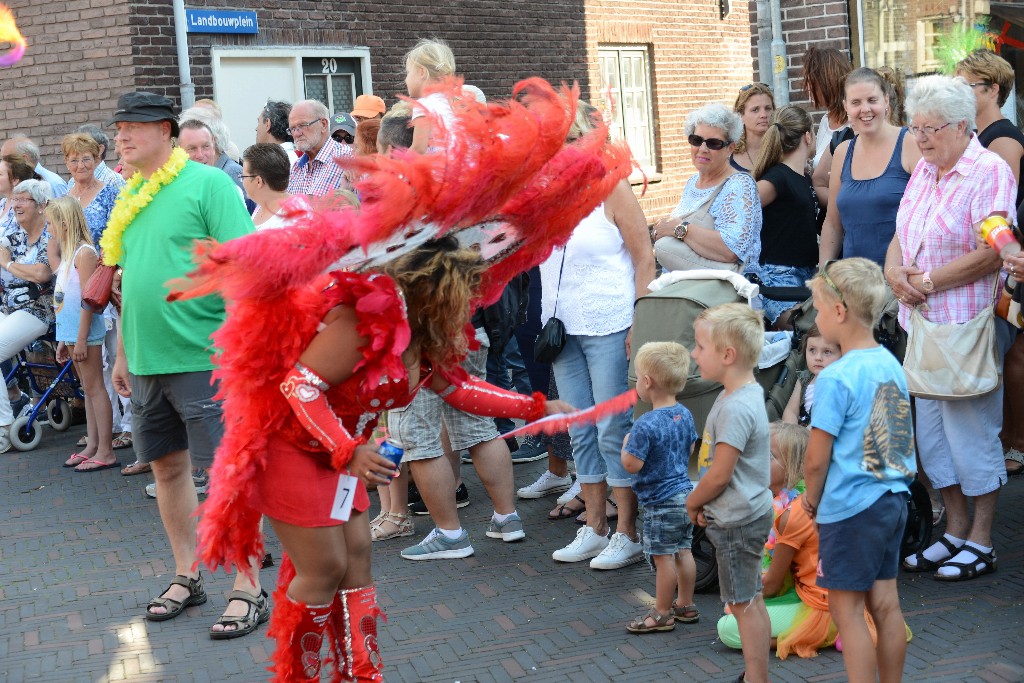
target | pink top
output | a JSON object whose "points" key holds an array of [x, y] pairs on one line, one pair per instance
{"points": [[935, 225]]}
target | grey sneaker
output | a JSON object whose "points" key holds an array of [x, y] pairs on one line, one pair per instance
{"points": [[200, 479], [437, 546], [509, 530]]}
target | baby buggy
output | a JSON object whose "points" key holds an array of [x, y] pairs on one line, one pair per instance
{"points": [[52, 387], [668, 314]]}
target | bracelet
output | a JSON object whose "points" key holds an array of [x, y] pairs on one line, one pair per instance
{"points": [[8, 266]]}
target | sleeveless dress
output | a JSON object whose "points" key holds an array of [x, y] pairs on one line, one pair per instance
{"points": [[867, 208], [67, 304]]}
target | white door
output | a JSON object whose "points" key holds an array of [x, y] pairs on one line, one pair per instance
{"points": [[243, 86]]}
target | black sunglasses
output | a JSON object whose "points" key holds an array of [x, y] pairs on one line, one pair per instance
{"points": [[713, 144]]}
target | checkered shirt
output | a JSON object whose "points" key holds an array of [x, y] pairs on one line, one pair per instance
{"points": [[321, 175], [935, 225]]}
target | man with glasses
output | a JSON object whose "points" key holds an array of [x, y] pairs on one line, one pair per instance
{"points": [[315, 174]]}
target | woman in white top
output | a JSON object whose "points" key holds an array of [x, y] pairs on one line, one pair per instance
{"points": [[264, 176], [591, 286]]}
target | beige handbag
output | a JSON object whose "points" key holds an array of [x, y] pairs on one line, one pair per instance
{"points": [[674, 254], [951, 362]]}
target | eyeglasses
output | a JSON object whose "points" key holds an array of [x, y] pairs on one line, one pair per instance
{"points": [[84, 160], [748, 86], [984, 83], [713, 144], [927, 131], [830, 283], [302, 126]]}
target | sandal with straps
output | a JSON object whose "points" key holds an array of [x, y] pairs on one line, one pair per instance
{"points": [[402, 523], [923, 564], [660, 622], [258, 612], [687, 614], [196, 596], [971, 569]]}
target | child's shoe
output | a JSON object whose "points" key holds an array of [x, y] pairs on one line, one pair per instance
{"points": [[688, 614], [659, 622]]}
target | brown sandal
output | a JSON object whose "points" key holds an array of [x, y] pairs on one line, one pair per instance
{"points": [[258, 613], [661, 622], [687, 614], [196, 596]]}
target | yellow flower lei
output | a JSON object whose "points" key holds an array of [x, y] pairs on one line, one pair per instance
{"points": [[134, 197]]}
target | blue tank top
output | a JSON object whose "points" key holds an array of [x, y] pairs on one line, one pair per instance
{"points": [[867, 208]]}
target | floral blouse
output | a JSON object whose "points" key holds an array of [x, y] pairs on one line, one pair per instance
{"points": [[97, 213], [23, 295]]}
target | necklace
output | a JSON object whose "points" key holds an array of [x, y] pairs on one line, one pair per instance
{"points": [[136, 195]]}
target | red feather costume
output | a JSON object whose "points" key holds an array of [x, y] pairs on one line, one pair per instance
{"points": [[505, 182]]}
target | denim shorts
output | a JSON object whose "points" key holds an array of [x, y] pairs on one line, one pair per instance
{"points": [[773, 275], [667, 527], [738, 550], [859, 550]]}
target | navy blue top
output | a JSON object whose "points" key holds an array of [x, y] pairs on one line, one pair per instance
{"points": [[867, 208], [662, 438]]}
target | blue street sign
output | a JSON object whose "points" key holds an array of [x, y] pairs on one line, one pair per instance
{"points": [[220, 21]]}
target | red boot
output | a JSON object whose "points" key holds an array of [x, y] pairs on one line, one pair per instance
{"points": [[355, 627], [299, 630]]}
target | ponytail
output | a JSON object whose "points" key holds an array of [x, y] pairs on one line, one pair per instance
{"points": [[789, 125]]}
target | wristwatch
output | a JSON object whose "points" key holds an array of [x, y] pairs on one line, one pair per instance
{"points": [[680, 232], [926, 282]]}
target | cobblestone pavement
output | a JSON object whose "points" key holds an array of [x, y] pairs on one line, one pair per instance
{"points": [[80, 555]]}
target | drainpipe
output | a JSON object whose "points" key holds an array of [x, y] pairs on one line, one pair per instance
{"points": [[188, 88], [780, 70], [764, 38]]}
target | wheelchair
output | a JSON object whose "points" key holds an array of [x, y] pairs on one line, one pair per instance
{"points": [[51, 386]]}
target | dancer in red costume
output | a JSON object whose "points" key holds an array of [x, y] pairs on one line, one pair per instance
{"points": [[434, 237]]}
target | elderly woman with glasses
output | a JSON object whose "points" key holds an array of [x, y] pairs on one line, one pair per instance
{"points": [[935, 264], [717, 223], [81, 155], [26, 302]]}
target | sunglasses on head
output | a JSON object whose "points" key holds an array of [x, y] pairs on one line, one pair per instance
{"points": [[748, 86], [713, 144], [831, 284]]}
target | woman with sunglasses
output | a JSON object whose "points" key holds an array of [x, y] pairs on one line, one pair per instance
{"points": [[754, 105], [717, 223], [869, 174]]}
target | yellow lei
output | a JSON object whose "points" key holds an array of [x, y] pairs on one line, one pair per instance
{"points": [[134, 197]]}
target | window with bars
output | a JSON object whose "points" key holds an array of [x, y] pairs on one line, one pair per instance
{"points": [[335, 81], [627, 101]]}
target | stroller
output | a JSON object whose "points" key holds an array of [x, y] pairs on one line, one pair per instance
{"points": [[668, 314]]}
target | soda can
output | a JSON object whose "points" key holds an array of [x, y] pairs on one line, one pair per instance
{"points": [[392, 450]]}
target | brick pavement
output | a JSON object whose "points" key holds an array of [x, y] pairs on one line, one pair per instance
{"points": [[80, 555]]}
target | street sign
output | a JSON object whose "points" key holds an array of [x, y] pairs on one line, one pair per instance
{"points": [[220, 21]]}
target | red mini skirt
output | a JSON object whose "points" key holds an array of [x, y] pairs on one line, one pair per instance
{"points": [[298, 487]]}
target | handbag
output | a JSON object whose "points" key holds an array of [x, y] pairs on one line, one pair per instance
{"points": [[96, 294], [551, 339], [674, 254], [952, 361]]}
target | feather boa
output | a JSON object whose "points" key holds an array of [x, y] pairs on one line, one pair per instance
{"points": [[560, 422]]}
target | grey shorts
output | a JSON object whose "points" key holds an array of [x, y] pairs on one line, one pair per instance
{"points": [[418, 425], [738, 550], [176, 412]]}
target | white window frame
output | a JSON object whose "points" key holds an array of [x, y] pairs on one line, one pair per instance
{"points": [[296, 54], [926, 61], [618, 125]]}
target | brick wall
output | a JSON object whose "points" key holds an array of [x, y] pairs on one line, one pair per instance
{"points": [[695, 58], [495, 42], [78, 60], [821, 23]]}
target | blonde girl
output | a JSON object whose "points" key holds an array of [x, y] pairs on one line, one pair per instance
{"points": [[818, 354], [429, 63], [80, 332]]}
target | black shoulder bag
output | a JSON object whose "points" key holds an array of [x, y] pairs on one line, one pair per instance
{"points": [[551, 339]]}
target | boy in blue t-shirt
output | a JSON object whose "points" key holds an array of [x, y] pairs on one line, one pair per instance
{"points": [[657, 449], [859, 465]]}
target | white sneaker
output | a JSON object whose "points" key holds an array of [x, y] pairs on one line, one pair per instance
{"points": [[573, 491], [588, 544], [620, 552], [5, 441], [547, 484]]}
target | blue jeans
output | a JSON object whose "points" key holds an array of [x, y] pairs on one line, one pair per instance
{"points": [[506, 370], [590, 370]]}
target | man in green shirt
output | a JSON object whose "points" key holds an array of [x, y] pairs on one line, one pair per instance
{"points": [[164, 354]]}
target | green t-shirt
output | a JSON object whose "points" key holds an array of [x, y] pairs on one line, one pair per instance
{"points": [[162, 337]]}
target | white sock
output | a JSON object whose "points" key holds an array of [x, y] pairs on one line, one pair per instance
{"points": [[451, 535], [501, 518], [936, 552], [966, 558]]}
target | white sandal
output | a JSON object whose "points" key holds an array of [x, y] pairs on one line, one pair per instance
{"points": [[402, 523]]}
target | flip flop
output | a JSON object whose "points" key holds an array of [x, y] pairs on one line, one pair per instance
{"points": [[611, 516], [81, 459], [102, 465], [123, 440], [563, 511], [136, 468]]}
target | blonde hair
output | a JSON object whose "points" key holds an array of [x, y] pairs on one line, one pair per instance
{"points": [[897, 94], [439, 281], [862, 286], [789, 125], [435, 56], [666, 362], [587, 116], [791, 441], [991, 67], [67, 212], [741, 104], [738, 326], [80, 143]]}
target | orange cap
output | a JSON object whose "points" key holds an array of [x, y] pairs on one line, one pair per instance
{"points": [[369, 106]]}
